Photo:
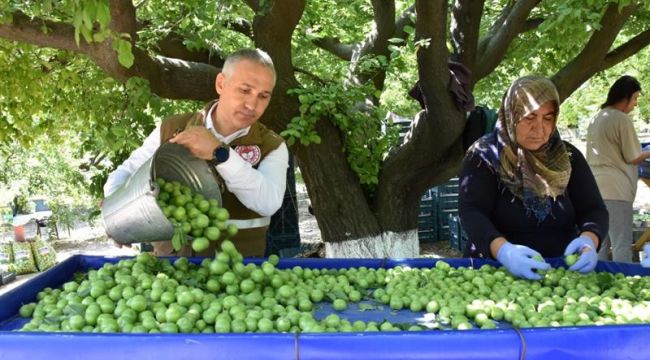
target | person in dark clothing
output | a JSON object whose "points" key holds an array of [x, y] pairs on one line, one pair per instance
{"points": [[524, 192]]}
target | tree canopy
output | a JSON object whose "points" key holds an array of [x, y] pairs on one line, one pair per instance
{"points": [[95, 76]]}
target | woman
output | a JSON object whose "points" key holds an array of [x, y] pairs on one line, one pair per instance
{"points": [[614, 153], [524, 192]]}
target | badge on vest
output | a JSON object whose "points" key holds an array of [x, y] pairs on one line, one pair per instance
{"points": [[251, 153]]}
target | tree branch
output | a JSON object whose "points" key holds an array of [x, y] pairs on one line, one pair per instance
{"points": [[465, 26], [309, 74], [588, 61], [531, 24], [626, 50], [344, 51], [493, 46], [376, 44], [436, 129], [169, 78], [273, 31], [432, 53], [123, 18], [334, 46], [405, 19], [60, 36], [241, 26], [172, 46]]}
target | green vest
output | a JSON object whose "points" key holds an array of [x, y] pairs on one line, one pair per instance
{"points": [[253, 147]]}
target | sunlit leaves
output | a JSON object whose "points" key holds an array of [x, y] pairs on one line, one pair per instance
{"points": [[366, 138], [57, 94], [124, 53], [85, 15]]}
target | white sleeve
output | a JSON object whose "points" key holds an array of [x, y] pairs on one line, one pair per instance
{"points": [[262, 189], [133, 163]]}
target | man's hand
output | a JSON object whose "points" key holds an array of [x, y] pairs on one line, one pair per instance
{"points": [[198, 140]]}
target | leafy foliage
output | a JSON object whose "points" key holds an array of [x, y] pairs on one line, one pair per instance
{"points": [[366, 139], [65, 124], [585, 103]]}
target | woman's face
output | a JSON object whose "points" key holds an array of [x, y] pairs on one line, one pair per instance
{"points": [[535, 128]]}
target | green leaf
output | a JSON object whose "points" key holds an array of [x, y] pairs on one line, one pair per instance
{"points": [[101, 36], [124, 53], [118, 131], [103, 14], [87, 34]]}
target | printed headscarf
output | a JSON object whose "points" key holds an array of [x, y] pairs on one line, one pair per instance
{"points": [[536, 177]]}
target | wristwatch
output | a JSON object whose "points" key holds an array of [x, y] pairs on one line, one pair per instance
{"points": [[220, 154]]}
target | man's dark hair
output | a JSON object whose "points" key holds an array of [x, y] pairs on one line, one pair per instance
{"points": [[622, 89]]}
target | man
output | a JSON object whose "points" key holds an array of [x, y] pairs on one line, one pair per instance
{"points": [[613, 153], [251, 159]]}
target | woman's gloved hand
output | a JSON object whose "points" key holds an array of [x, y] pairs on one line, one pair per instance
{"points": [[518, 259], [588, 255], [646, 260]]}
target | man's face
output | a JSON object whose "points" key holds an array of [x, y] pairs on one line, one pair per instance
{"points": [[631, 104], [243, 95]]}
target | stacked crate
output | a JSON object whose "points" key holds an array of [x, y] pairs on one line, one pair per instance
{"points": [[457, 236], [428, 218], [447, 196], [284, 232], [436, 205]]}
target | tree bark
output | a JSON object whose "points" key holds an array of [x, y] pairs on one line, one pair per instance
{"points": [[375, 44], [465, 26]]}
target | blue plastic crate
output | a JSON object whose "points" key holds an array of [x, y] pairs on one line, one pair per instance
{"points": [[436, 204], [450, 187], [457, 236], [428, 217], [428, 235], [275, 243]]}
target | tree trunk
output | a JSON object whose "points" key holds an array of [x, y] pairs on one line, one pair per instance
{"points": [[386, 245]]}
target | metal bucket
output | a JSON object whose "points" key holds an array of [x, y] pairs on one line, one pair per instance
{"points": [[131, 214]]}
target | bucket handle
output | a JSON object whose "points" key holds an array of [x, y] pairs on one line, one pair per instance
{"points": [[152, 175], [152, 171]]}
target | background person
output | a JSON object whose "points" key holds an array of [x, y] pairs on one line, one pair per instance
{"points": [[251, 159], [613, 153], [524, 192]]}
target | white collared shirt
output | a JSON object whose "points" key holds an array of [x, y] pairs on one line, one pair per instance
{"points": [[261, 190]]}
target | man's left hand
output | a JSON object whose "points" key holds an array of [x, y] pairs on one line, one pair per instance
{"points": [[198, 140]]}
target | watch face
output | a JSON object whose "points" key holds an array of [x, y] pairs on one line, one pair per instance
{"points": [[221, 154]]}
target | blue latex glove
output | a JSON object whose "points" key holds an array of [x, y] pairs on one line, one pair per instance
{"points": [[646, 261], [588, 259], [518, 259]]}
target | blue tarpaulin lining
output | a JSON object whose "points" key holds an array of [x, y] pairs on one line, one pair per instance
{"points": [[593, 342]]}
